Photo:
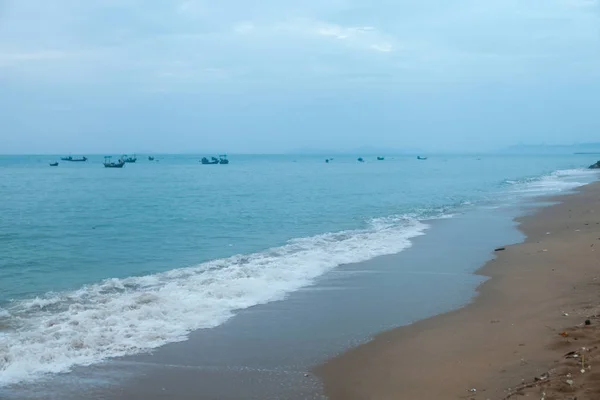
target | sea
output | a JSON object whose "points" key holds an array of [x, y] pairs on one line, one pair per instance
{"points": [[98, 264]]}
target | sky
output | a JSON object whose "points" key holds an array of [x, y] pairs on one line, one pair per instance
{"points": [[271, 76]]}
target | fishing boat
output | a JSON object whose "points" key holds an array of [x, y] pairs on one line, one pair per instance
{"points": [[82, 159], [54, 164], [127, 159], [108, 163], [360, 159], [421, 158], [223, 159], [150, 158], [380, 158], [213, 161]]}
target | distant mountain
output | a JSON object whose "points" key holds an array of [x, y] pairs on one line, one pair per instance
{"points": [[583, 148]]}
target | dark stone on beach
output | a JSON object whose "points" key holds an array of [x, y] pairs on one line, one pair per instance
{"points": [[595, 166], [500, 249], [588, 322]]}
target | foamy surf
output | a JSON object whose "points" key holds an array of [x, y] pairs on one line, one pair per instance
{"points": [[556, 182], [119, 317]]}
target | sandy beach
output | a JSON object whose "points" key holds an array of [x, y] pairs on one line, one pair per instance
{"points": [[532, 331]]}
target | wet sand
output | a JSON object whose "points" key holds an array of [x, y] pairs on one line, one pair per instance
{"points": [[515, 339]]}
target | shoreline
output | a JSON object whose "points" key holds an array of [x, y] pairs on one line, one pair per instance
{"points": [[507, 335], [268, 350]]}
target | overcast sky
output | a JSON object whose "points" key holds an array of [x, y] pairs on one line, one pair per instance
{"points": [[86, 76]]}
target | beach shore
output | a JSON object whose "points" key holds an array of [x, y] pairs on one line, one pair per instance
{"points": [[525, 333], [267, 352], [500, 343]]}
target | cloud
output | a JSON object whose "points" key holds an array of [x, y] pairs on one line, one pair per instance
{"points": [[133, 66], [135, 42], [383, 47], [340, 32], [351, 37]]}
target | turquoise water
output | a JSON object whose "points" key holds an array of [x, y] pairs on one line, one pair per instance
{"points": [[99, 262]]}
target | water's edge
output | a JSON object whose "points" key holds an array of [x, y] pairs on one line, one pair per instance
{"points": [[97, 302]]}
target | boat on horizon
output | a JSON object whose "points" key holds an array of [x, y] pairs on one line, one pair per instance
{"points": [[69, 158], [54, 164], [421, 158], [212, 161], [108, 163], [127, 159], [360, 159], [150, 158], [380, 158]]}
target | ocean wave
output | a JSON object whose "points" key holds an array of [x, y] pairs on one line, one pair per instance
{"points": [[557, 181], [118, 317]]}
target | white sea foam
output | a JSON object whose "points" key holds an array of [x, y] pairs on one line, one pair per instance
{"points": [[556, 182], [120, 317]]}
